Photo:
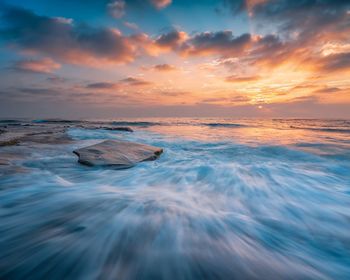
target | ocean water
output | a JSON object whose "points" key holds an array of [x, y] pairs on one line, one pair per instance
{"points": [[228, 199]]}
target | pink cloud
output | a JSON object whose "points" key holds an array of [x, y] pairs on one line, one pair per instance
{"points": [[160, 4], [44, 65]]}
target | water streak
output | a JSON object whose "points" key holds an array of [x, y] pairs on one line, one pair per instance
{"points": [[260, 201]]}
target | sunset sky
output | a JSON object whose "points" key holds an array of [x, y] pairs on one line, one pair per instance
{"points": [[138, 58]]}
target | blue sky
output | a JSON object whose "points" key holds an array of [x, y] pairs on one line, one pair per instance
{"points": [[249, 58]]}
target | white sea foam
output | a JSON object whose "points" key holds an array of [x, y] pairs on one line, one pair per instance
{"points": [[259, 200]]}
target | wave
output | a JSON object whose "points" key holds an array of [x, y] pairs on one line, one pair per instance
{"points": [[9, 121], [135, 123], [224, 125], [57, 121], [206, 209], [337, 130]]}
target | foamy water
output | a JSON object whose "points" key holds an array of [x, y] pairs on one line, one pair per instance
{"points": [[228, 199]]}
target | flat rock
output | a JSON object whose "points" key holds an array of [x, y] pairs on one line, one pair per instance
{"points": [[47, 137], [40, 135], [117, 154]]}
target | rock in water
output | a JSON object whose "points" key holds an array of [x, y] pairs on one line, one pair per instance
{"points": [[117, 154], [119, 128]]}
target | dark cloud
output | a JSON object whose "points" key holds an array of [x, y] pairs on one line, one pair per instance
{"points": [[61, 39], [130, 81], [42, 92], [102, 85], [58, 93], [56, 80], [309, 18], [335, 62], [164, 67], [301, 25], [269, 47], [171, 40], [135, 82], [292, 15], [285, 9], [222, 42]]}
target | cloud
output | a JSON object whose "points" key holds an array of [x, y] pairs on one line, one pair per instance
{"points": [[226, 100], [164, 67], [56, 80], [67, 42], [232, 51], [171, 40], [102, 85], [47, 92], [105, 86], [304, 28], [223, 43], [131, 25], [116, 8], [328, 90], [239, 99], [135, 82], [44, 65], [305, 19], [174, 93], [335, 62], [64, 41], [241, 79], [160, 4]]}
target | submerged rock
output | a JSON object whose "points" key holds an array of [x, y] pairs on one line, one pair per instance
{"points": [[117, 154], [11, 142], [119, 128]]}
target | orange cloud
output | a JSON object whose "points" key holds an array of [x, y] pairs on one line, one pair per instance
{"points": [[44, 65], [161, 68], [160, 4], [241, 79]]}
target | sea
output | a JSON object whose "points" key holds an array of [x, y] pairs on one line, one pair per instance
{"points": [[228, 199]]}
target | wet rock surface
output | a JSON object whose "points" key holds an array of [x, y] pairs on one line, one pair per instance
{"points": [[20, 141], [33, 134], [24, 134], [52, 131], [127, 129], [117, 154]]}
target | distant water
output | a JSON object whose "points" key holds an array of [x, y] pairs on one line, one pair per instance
{"points": [[228, 199]]}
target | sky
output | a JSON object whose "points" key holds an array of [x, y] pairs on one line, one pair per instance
{"points": [[175, 58]]}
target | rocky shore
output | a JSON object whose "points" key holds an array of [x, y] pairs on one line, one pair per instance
{"points": [[110, 153]]}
